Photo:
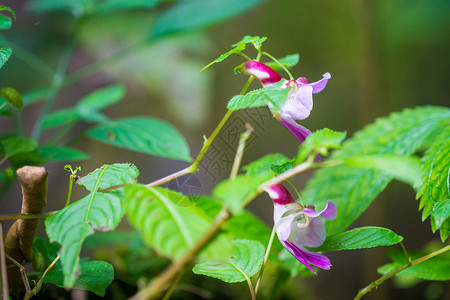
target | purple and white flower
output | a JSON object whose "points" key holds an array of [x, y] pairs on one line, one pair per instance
{"points": [[299, 102], [298, 226]]}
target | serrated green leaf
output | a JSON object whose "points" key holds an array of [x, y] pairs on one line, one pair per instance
{"points": [[238, 48], [281, 168], [17, 145], [435, 180], [320, 142], [288, 61], [196, 14], [95, 276], [247, 258], [61, 153], [234, 192], [170, 223], [273, 94], [5, 54], [435, 268], [100, 99], [71, 225], [361, 238], [120, 5], [147, 135], [399, 134], [264, 164], [5, 22], [402, 168], [111, 175]]}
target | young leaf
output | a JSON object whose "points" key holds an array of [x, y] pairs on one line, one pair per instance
{"points": [[169, 222], [196, 14], [320, 142], [100, 99], [401, 167], [5, 22], [120, 5], [261, 97], [435, 268], [95, 276], [5, 54], [435, 179], [264, 164], [17, 145], [71, 225], [360, 238], [399, 134], [234, 192], [111, 175], [147, 135], [60, 118], [247, 259], [288, 61], [61, 153], [238, 48]]}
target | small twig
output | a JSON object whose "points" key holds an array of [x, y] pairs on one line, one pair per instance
{"points": [[3, 266], [22, 272], [383, 278], [172, 287], [240, 150], [38, 286], [266, 257]]}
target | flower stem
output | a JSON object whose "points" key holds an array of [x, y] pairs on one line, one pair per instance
{"points": [[280, 64], [249, 282], [240, 150], [383, 278], [266, 257]]}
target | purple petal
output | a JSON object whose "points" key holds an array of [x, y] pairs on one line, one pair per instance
{"points": [[311, 236], [260, 71], [317, 86], [307, 257], [279, 194], [297, 130], [329, 212], [299, 102], [284, 227]]}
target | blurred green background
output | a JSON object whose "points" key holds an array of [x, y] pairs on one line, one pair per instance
{"points": [[383, 56]]}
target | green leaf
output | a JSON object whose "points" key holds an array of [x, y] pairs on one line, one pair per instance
{"points": [[95, 276], [247, 259], [238, 48], [60, 118], [17, 145], [261, 97], [61, 153], [264, 164], [281, 168], [5, 8], [100, 99], [147, 135], [111, 175], [435, 268], [119, 5], [196, 14], [5, 54], [320, 142], [361, 238], [399, 134], [435, 179], [288, 61], [71, 225], [76, 7], [5, 22], [236, 192], [403, 168], [169, 222]]}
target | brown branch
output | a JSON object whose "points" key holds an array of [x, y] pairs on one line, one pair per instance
{"points": [[20, 237]]}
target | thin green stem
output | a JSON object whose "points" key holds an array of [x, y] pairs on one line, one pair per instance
{"points": [[266, 257], [22, 272], [280, 64], [240, 150], [21, 216], [5, 287], [60, 134], [69, 193], [245, 56], [38, 286], [294, 188], [249, 282], [172, 287], [55, 87], [382, 279], [408, 259]]}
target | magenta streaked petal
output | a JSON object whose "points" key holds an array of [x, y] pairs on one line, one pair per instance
{"points": [[311, 236], [279, 194], [260, 71], [317, 86], [297, 130], [329, 211], [307, 257]]}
